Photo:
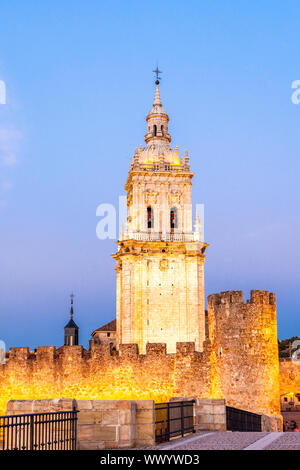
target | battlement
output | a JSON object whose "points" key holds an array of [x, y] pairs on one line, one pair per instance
{"points": [[257, 297], [104, 373], [19, 353], [99, 352], [226, 297], [241, 350], [262, 297]]}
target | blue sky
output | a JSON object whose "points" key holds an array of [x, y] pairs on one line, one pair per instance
{"points": [[79, 85]]}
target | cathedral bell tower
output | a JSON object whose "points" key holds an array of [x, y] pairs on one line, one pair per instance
{"points": [[160, 260]]}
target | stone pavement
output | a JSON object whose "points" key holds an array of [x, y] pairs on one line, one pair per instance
{"points": [[235, 441], [287, 441]]}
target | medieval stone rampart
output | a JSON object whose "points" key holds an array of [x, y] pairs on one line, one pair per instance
{"points": [[244, 358], [239, 363], [71, 371]]}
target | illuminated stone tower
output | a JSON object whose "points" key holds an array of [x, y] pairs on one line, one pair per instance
{"points": [[160, 261]]}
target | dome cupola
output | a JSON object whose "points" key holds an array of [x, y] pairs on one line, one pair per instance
{"points": [[157, 122]]}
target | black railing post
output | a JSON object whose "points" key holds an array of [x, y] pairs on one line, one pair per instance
{"points": [[31, 432], [75, 433], [182, 418], [168, 421], [194, 416]]}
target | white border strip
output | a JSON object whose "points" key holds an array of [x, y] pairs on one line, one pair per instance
{"points": [[264, 441]]}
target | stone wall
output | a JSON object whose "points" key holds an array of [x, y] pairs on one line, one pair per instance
{"points": [[15, 407], [105, 424], [289, 376], [244, 358], [121, 424], [210, 414], [239, 363], [108, 424], [145, 423], [271, 423], [71, 371]]}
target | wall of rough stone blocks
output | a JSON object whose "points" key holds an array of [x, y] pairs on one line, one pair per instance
{"points": [[239, 363], [97, 375], [244, 358]]}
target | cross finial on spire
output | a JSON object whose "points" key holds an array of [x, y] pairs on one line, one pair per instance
{"points": [[157, 72], [71, 309]]}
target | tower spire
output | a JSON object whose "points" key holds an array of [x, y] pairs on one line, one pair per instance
{"points": [[71, 309], [71, 329], [157, 119], [157, 99]]}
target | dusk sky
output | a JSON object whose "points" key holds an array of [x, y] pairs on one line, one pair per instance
{"points": [[79, 84]]}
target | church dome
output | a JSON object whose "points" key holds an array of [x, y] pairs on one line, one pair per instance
{"points": [[153, 151]]}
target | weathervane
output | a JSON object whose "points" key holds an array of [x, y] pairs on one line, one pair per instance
{"points": [[157, 72]]}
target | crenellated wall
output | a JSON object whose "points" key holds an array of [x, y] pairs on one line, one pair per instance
{"points": [[239, 363], [71, 371], [244, 354]]}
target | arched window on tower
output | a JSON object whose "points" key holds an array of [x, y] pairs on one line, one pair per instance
{"points": [[173, 218], [155, 130], [162, 130], [150, 218]]}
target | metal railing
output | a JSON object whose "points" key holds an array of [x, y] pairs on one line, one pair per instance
{"points": [[241, 420], [39, 431], [174, 418]]}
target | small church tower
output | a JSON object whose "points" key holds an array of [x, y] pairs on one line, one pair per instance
{"points": [[71, 329], [160, 259]]}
